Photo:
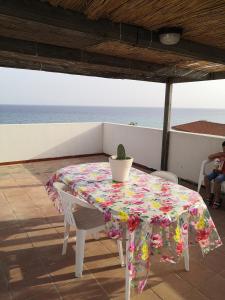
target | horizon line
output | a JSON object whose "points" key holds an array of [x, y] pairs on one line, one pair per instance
{"points": [[120, 106]]}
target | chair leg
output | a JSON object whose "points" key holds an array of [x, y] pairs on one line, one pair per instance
{"points": [[80, 242], [96, 236], [186, 254], [186, 249], [120, 250], [167, 231], [66, 237], [127, 272], [201, 179]]}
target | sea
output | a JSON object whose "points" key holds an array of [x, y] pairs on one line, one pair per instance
{"points": [[142, 116]]}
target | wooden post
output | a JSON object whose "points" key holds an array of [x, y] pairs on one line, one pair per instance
{"points": [[166, 126]]}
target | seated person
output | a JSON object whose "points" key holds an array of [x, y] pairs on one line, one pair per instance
{"points": [[218, 175]]}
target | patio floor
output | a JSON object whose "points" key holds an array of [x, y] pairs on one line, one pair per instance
{"points": [[31, 265]]}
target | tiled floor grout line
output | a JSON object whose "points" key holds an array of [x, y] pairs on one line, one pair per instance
{"points": [[200, 292], [33, 246], [2, 272], [44, 267], [99, 284], [156, 294]]}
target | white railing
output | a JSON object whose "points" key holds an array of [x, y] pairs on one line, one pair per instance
{"points": [[34, 141]]}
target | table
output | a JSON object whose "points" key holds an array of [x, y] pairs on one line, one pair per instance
{"points": [[156, 213]]}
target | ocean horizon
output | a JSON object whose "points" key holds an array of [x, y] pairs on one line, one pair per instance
{"points": [[143, 116]]}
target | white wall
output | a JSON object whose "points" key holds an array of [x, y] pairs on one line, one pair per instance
{"points": [[33, 141], [188, 150], [142, 143]]}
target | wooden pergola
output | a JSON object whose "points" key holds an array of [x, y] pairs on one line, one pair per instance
{"points": [[116, 39]]}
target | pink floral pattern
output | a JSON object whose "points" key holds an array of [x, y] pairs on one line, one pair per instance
{"points": [[156, 212]]}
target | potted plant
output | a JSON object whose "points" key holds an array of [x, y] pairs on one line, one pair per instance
{"points": [[120, 164]]}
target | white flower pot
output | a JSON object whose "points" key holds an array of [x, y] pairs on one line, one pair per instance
{"points": [[120, 168]]}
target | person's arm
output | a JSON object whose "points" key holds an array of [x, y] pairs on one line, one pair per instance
{"points": [[216, 155], [222, 158]]}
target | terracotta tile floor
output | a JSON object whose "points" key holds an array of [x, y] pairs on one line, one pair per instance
{"points": [[31, 265]]}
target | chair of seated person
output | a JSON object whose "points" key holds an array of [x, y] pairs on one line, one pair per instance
{"points": [[206, 170]]}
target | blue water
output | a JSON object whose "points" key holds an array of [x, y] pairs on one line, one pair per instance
{"points": [[144, 116]]}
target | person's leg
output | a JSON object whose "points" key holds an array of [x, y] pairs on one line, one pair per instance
{"points": [[217, 190], [207, 186], [207, 179]]}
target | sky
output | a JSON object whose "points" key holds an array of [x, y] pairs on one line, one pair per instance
{"points": [[20, 87]]}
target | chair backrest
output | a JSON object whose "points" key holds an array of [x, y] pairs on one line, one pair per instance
{"points": [[206, 167], [68, 202], [166, 175], [63, 189]]}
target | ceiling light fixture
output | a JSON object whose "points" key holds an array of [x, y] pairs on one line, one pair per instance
{"points": [[170, 35]]}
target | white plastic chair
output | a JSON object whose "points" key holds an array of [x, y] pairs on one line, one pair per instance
{"points": [[166, 175], [86, 220], [206, 167]]}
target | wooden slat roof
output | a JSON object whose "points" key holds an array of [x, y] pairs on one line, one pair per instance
{"points": [[203, 20], [115, 39], [153, 56]]}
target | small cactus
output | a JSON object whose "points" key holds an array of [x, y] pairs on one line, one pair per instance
{"points": [[121, 153]]}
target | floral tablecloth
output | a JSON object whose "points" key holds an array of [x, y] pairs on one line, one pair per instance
{"points": [[156, 212]]}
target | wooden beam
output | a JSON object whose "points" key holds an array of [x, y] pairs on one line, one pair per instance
{"points": [[38, 21], [210, 76], [76, 61], [69, 68], [217, 75], [166, 126]]}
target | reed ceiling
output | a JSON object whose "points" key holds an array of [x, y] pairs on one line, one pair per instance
{"points": [[115, 38], [203, 20], [153, 56], [197, 18]]}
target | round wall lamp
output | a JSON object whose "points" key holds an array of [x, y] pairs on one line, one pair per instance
{"points": [[170, 35]]}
